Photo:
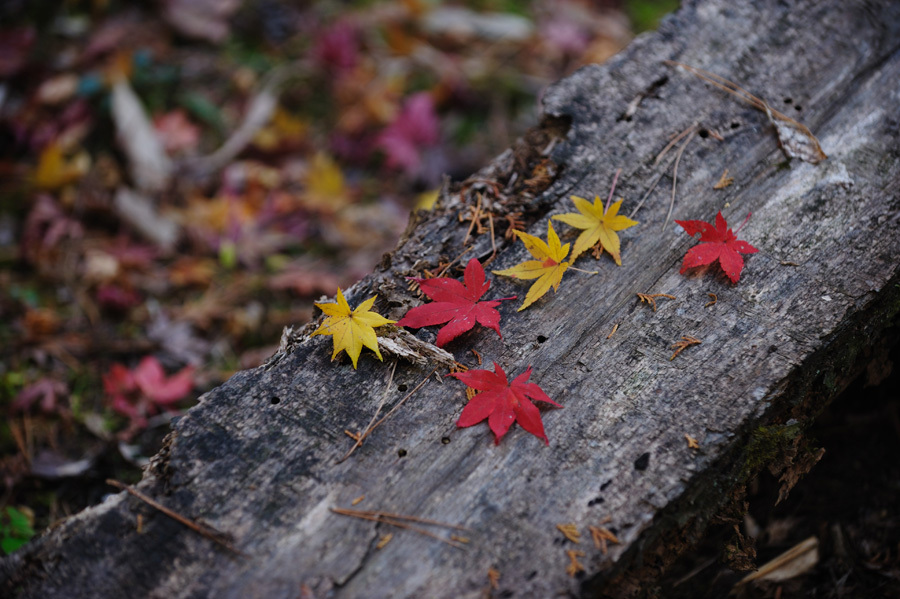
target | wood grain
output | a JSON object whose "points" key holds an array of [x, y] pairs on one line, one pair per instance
{"points": [[257, 457]]}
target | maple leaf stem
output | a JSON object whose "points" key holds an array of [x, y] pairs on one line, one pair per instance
{"points": [[493, 240], [441, 272], [587, 272], [612, 190], [743, 223]]}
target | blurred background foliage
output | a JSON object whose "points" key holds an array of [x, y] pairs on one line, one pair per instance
{"points": [[183, 178]]}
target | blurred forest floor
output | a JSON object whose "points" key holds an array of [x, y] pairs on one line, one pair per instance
{"points": [[180, 179]]}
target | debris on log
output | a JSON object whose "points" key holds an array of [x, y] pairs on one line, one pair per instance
{"points": [[257, 459]]}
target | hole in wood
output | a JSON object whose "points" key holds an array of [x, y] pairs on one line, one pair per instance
{"points": [[798, 108], [606, 484], [274, 400], [788, 100], [642, 462], [401, 387], [595, 501], [445, 440], [703, 133], [401, 453], [531, 575], [735, 125], [541, 338]]}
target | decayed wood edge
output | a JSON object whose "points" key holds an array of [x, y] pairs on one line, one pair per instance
{"points": [[871, 332]]}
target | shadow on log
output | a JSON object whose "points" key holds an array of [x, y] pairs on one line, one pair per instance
{"points": [[257, 458]]}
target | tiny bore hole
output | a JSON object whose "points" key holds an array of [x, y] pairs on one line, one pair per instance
{"points": [[735, 125], [445, 440], [703, 133], [798, 108], [275, 400], [401, 453], [541, 338], [788, 100], [401, 387]]}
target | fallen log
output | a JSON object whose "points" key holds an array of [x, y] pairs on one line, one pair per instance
{"points": [[646, 450]]}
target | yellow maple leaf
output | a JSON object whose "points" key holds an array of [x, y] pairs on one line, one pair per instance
{"points": [[55, 170], [351, 329], [325, 188], [548, 269], [597, 225]]}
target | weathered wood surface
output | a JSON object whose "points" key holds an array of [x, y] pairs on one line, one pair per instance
{"points": [[257, 457]]}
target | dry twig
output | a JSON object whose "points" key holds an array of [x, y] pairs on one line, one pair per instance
{"points": [[400, 520], [693, 130], [207, 531], [795, 138], [515, 223], [369, 427]]}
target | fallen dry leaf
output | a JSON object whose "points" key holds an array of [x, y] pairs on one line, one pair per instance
{"points": [[150, 166], [724, 180]]}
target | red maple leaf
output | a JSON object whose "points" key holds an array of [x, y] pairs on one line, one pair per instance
{"points": [[456, 304], [143, 391], [720, 243], [502, 402]]}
